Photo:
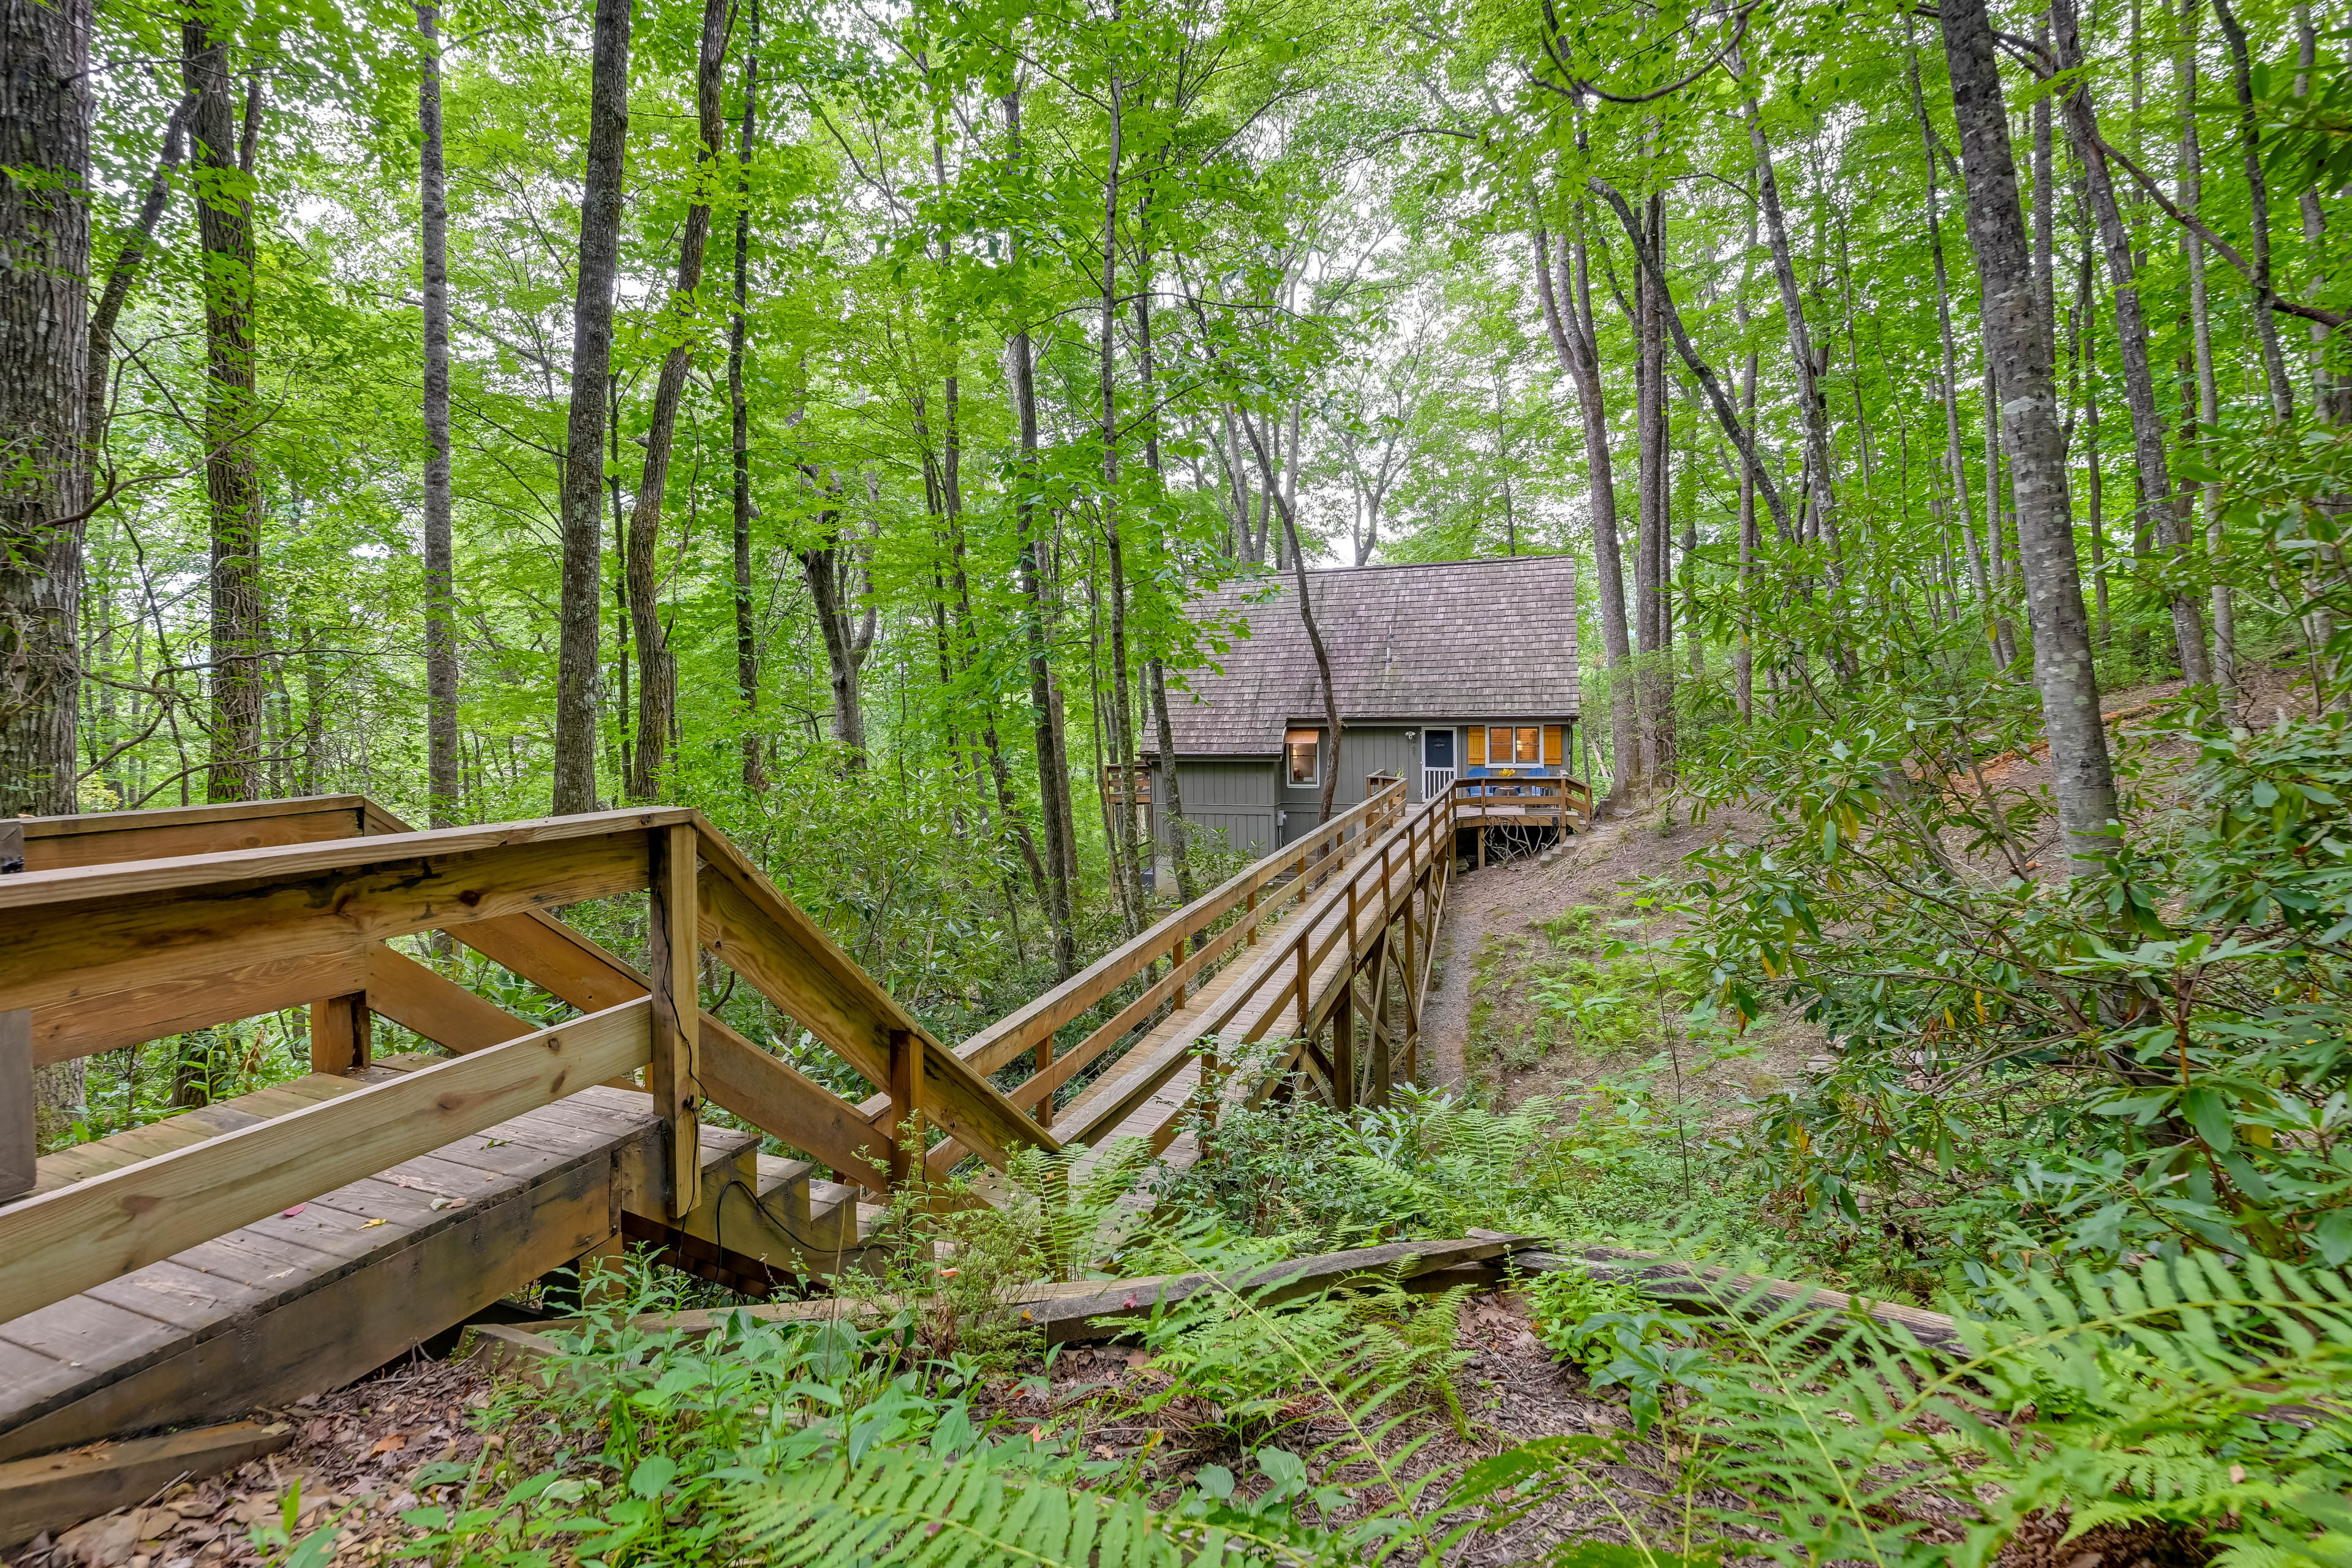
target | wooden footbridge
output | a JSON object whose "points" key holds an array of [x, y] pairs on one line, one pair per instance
{"points": [[284, 1242]]}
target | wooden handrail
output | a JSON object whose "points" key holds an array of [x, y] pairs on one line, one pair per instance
{"points": [[1291, 964], [1019, 1031], [91, 1231]]}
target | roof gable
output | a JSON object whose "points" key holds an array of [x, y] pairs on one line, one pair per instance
{"points": [[1459, 639]]}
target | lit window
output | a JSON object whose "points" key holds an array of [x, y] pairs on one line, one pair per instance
{"points": [[1302, 746], [1514, 744]]}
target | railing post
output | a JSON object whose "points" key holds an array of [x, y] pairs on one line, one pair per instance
{"points": [[673, 949], [906, 1104], [1046, 1059], [341, 1033], [20, 1144], [1305, 993], [1249, 919], [1176, 967]]}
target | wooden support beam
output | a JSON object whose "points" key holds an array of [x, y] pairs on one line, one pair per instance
{"points": [[340, 1029], [906, 1103], [444, 1012], [103, 1227], [674, 957], [1381, 1079], [20, 1144], [767, 941], [787, 1105], [19, 1140], [1343, 1039]]}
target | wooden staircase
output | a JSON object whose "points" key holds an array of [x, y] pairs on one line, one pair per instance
{"points": [[288, 1240]]}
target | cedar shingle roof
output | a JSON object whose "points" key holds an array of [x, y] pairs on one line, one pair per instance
{"points": [[1457, 640]]}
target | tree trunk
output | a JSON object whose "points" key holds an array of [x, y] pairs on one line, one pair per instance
{"points": [[232, 489], [1567, 313], [2201, 338], [1955, 458], [2014, 340], [128, 258], [1053, 766], [1655, 676], [1306, 618], [747, 646], [2131, 337], [1172, 809], [1125, 853], [1801, 346], [45, 340], [441, 769], [656, 664], [2258, 203], [578, 650]]}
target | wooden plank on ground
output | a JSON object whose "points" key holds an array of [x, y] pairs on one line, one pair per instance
{"points": [[57, 1491], [95, 1229], [1668, 1280]]}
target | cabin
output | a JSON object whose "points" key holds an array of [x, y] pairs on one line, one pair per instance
{"points": [[1446, 672]]}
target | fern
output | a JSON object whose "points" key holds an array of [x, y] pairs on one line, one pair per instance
{"points": [[899, 1507]]}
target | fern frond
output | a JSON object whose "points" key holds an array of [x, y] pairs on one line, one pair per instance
{"points": [[907, 1508]]}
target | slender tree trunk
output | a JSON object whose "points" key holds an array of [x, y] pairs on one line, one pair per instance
{"points": [[2131, 337], [578, 650], [2258, 203], [1567, 315], [1171, 809], [1954, 456], [2080, 776], [1053, 766], [1815, 406], [1306, 618], [1655, 677], [45, 110], [656, 664], [2094, 481], [747, 646], [2328, 389], [2201, 337], [232, 486], [1127, 857], [129, 257], [442, 785]]}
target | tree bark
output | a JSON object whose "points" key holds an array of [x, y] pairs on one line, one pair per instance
{"points": [[2131, 337], [578, 651], [232, 488], [1053, 766], [1567, 314], [2014, 339], [747, 646], [656, 664], [441, 786], [46, 109]]}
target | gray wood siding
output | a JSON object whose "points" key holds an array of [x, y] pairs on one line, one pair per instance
{"points": [[1230, 801], [1362, 752]]}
